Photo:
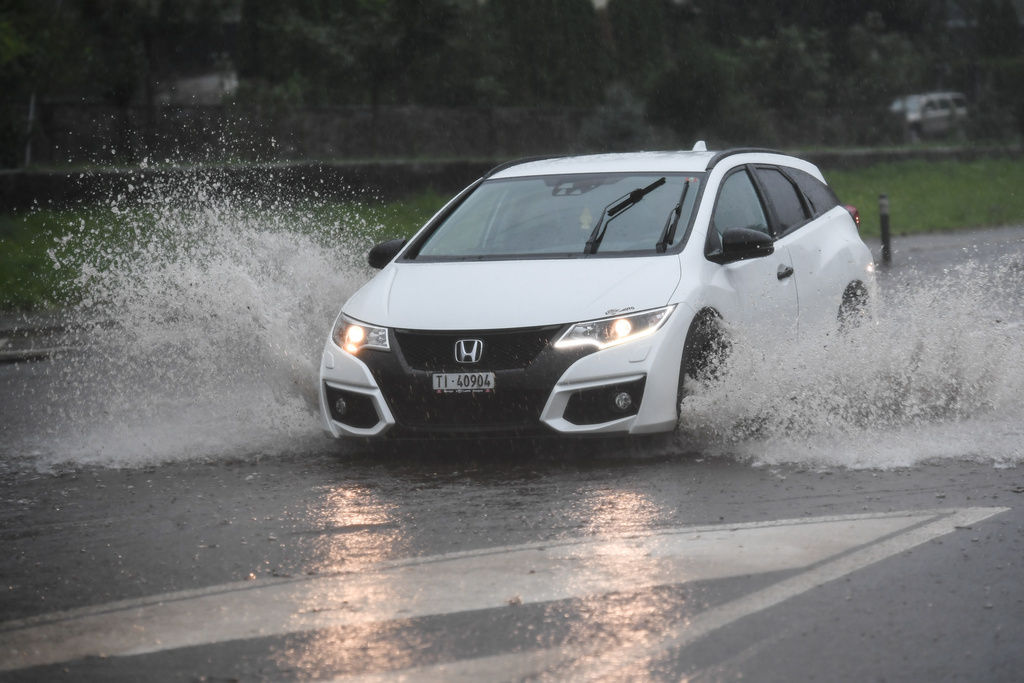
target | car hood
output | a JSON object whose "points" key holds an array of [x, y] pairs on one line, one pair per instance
{"points": [[504, 294]]}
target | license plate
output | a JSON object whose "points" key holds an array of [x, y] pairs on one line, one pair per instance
{"points": [[448, 382]]}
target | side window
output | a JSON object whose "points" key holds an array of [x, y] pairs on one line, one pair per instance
{"points": [[820, 195], [738, 206], [789, 208]]}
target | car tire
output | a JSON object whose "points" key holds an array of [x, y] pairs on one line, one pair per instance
{"points": [[704, 352], [854, 308]]}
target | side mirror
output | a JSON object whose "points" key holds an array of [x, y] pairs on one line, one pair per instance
{"points": [[384, 253], [739, 244]]}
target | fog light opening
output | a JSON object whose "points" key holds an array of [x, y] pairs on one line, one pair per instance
{"points": [[607, 403], [341, 406]]}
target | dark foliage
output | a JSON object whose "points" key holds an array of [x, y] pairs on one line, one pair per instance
{"points": [[730, 69]]}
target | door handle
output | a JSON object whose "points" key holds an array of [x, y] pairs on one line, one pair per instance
{"points": [[785, 271]]}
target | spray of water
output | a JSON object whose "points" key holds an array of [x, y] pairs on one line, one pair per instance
{"points": [[200, 316], [203, 312], [938, 372]]}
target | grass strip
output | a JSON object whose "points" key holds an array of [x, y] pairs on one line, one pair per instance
{"points": [[924, 197], [30, 279], [938, 196]]}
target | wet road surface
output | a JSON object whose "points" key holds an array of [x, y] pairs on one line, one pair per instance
{"points": [[512, 560], [460, 568]]}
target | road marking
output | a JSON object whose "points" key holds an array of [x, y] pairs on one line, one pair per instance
{"points": [[829, 547], [584, 662]]}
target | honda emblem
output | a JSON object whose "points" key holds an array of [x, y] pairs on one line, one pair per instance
{"points": [[469, 350]]}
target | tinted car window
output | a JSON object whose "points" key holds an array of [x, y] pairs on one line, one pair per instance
{"points": [[782, 194], [820, 195], [738, 205], [555, 216]]}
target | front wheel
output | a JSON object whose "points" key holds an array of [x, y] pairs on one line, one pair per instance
{"points": [[704, 353]]}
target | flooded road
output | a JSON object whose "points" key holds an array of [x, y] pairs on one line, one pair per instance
{"points": [[509, 566], [170, 510]]}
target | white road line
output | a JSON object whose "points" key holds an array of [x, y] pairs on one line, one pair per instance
{"points": [[705, 623], [586, 662], [486, 579]]}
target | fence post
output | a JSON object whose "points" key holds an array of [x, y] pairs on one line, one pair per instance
{"points": [[883, 215]]}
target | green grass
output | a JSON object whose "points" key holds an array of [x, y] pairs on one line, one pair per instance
{"points": [[935, 196], [30, 280], [923, 197], [397, 219]]}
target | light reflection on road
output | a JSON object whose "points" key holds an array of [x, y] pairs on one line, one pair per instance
{"points": [[355, 528], [614, 511], [359, 529]]}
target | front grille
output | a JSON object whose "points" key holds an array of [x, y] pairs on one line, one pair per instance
{"points": [[524, 361], [469, 411], [505, 350]]}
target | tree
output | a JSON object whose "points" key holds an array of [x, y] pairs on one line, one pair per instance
{"points": [[998, 32], [290, 51], [881, 66], [362, 51], [688, 94], [791, 73], [38, 56], [554, 51], [638, 32]]}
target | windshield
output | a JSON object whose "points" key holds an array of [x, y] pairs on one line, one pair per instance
{"points": [[910, 103], [555, 216]]}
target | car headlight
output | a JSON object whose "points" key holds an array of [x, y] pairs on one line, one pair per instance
{"points": [[352, 336], [617, 330]]}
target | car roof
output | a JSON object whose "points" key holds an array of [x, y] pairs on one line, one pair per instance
{"points": [[930, 96], [635, 162]]}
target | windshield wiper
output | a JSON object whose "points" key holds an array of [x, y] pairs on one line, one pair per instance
{"points": [[668, 235], [613, 210]]}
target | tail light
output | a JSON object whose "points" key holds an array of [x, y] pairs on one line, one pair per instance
{"points": [[854, 214]]}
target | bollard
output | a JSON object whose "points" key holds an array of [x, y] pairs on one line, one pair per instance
{"points": [[883, 215]]}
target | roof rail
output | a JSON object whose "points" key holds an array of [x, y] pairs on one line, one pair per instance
{"points": [[516, 162], [739, 150]]}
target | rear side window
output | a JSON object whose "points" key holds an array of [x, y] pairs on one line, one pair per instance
{"points": [[783, 195], [820, 195]]}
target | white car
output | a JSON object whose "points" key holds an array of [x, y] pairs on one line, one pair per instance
{"points": [[578, 295], [930, 114]]}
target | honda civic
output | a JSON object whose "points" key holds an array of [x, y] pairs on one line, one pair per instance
{"points": [[584, 295]]}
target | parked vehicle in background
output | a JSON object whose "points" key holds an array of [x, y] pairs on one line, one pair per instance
{"points": [[582, 295], [930, 115]]}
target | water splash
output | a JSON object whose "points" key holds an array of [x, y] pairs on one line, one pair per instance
{"points": [[201, 317], [201, 314], [939, 373]]}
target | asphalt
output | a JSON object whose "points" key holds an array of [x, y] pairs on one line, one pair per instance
{"points": [[33, 335], [511, 562]]}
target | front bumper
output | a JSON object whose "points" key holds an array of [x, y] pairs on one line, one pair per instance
{"points": [[560, 391]]}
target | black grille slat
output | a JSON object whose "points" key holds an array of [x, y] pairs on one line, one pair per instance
{"points": [[506, 350], [448, 411]]}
